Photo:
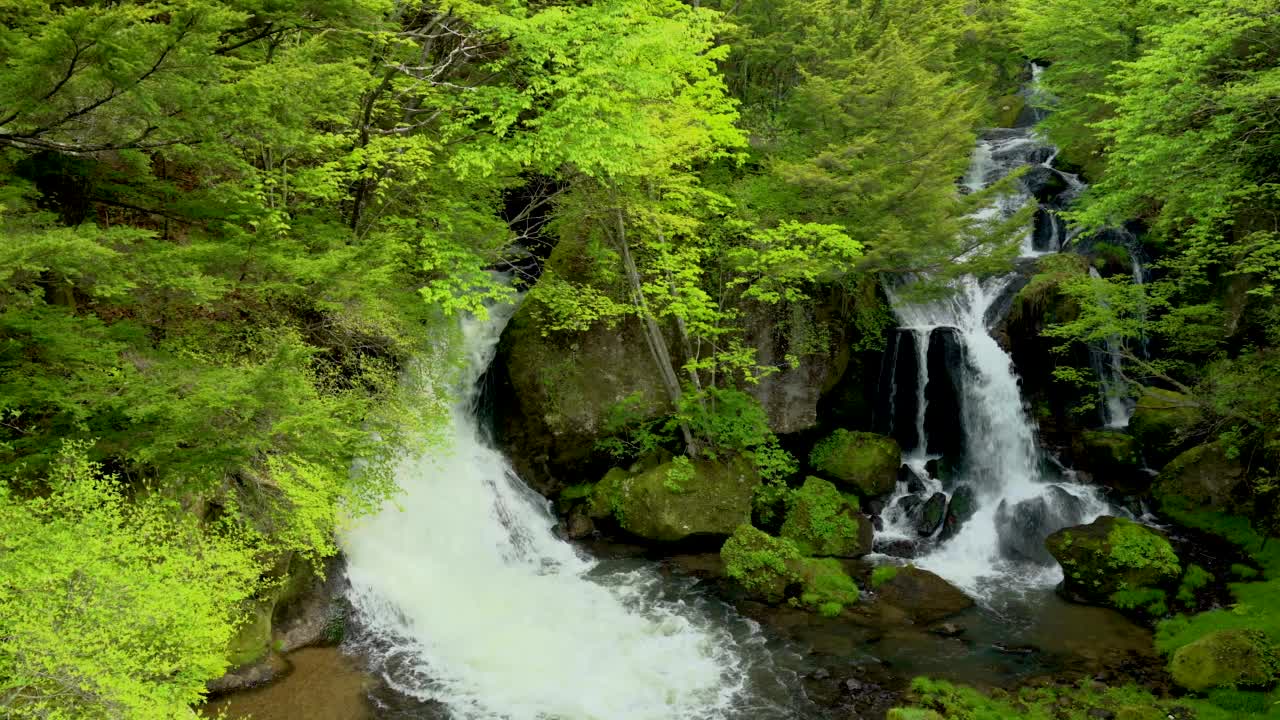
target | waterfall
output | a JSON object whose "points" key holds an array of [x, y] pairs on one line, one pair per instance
{"points": [[1018, 496], [1117, 406], [463, 595]]}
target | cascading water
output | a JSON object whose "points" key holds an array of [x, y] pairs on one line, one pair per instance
{"points": [[466, 597], [1006, 493]]}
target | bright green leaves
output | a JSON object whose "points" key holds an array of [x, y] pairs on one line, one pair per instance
{"points": [[780, 263], [111, 608]]}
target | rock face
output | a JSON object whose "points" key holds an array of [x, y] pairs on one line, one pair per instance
{"points": [[1161, 423], [1113, 459], [866, 462], [823, 523], [925, 597], [963, 504], [942, 394], [678, 499], [1109, 555], [1022, 526], [1226, 659], [1204, 478], [931, 515]]}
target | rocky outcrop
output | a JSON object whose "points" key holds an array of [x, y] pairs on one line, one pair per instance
{"points": [[1162, 424], [1205, 478], [1111, 555], [678, 499], [865, 462], [922, 595], [1112, 458], [1226, 659], [961, 507], [1021, 526], [824, 523]]}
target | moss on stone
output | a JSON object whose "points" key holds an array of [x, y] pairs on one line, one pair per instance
{"points": [[711, 498], [1226, 659], [824, 581], [1112, 555], [1161, 423], [866, 461], [821, 522], [763, 565], [1008, 108], [1204, 478], [1041, 301], [252, 640], [882, 575]]}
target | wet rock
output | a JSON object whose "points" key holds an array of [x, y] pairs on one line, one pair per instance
{"points": [[1112, 554], [1204, 477], [1041, 155], [578, 525], [674, 500], [1048, 231], [1226, 658], [906, 474], [1162, 423], [898, 547], [903, 357], [947, 630], [962, 506], [253, 674], [946, 364], [823, 523], [1021, 528], [866, 462], [925, 597], [877, 523], [931, 514], [1044, 183], [1015, 649], [1112, 458], [1100, 714], [909, 504]]}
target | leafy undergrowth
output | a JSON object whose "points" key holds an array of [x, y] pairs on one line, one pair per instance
{"points": [[934, 699]]}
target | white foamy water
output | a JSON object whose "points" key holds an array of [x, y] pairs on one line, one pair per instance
{"points": [[469, 599], [1002, 460]]}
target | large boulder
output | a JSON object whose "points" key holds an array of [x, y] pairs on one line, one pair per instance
{"points": [[1162, 423], [867, 462], [1111, 555], [822, 522], [932, 512], [1113, 459], [679, 498], [1021, 527], [922, 595], [960, 508], [1204, 478], [771, 570], [1226, 659]]}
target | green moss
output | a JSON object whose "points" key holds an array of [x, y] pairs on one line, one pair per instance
{"points": [[866, 461], [577, 492], [252, 640], [1150, 600], [1134, 546], [824, 581], [1041, 300], [1162, 422], [1244, 572], [830, 609], [762, 564], [678, 499], [1008, 108], [1194, 579], [821, 522], [1113, 560], [883, 574], [1226, 659]]}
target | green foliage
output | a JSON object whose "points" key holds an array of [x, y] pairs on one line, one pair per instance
{"points": [[1150, 600], [883, 574], [679, 472], [825, 582], [821, 522], [1133, 546], [1193, 580], [762, 564], [112, 608]]}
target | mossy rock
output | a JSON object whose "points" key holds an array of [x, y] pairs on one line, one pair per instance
{"points": [[1112, 555], [252, 640], [1008, 109], [825, 583], [1161, 423], [679, 498], [822, 522], [1204, 478], [1040, 302], [762, 565], [1226, 659], [1114, 460], [913, 714], [865, 461], [925, 597]]}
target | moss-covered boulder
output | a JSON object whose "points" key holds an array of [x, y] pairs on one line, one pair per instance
{"points": [[679, 498], [865, 461], [822, 522], [1161, 423], [920, 594], [1112, 560], [772, 570], [762, 565], [1113, 459], [1226, 659], [1204, 478], [1008, 108]]}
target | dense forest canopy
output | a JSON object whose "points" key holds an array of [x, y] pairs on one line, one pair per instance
{"points": [[236, 234]]}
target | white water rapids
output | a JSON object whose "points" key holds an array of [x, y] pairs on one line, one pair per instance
{"points": [[993, 552], [473, 602]]}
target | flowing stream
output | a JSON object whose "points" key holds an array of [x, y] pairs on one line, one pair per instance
{"points": [[980, 437], [467, 598]]}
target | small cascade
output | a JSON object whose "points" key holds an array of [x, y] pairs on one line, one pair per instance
{"points": [[1002, 494], [1117, 404], [464, 596]]}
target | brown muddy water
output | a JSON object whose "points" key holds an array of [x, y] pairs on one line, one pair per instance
{"points": [[324, 684]]}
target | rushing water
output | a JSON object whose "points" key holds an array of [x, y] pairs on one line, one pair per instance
{"points": [[1020, 496], [466, 597]]}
